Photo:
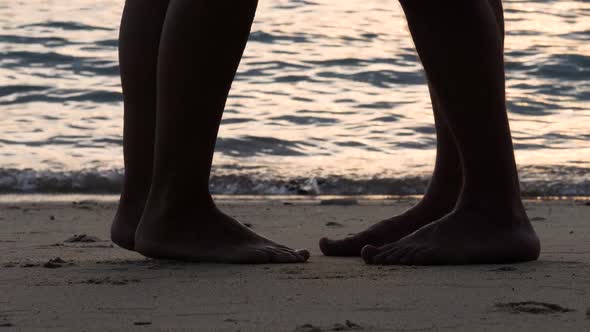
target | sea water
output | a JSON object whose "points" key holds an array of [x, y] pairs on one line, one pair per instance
{"points": [[330, 98]]}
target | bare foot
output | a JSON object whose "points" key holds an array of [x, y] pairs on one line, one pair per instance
{"points": [[125, 223], [208, 235], [462, 237], [386, 231]]}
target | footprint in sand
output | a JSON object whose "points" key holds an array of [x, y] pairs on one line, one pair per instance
{"points": [[533, 307], [116, 281], [347, 326], [142, 323], [505, 269], [82, 238], [56, 262]]}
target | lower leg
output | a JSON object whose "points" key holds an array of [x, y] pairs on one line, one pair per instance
{"points": [[460, 45], [201, 47], [139, 38], [439, 199]]}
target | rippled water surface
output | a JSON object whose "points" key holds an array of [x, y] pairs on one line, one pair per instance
{"points": [[329, 98]]}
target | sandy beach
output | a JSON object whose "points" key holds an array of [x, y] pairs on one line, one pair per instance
{"points": [[59, 271]]}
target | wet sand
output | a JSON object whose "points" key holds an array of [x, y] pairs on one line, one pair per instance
{"points": [[59, 271]]}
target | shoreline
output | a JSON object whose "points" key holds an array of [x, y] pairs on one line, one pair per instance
{"points": [[59, 197], [536, 181]]}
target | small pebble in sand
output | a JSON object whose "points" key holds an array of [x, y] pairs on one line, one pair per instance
{"points": [[333, 224], [51, 217], [287, 203], [571, 232]]}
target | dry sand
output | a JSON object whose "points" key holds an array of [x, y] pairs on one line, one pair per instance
{"points": [[96, 286]]}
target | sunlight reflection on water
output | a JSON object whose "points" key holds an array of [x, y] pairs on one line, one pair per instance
{"points": [[326, 88]]}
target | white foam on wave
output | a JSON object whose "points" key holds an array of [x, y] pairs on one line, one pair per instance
{"points": [[92, 181]]}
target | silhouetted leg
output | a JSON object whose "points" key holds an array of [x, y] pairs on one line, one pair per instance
{"points": [[201, 47], [461, 48], [498, 11], [139, 40], [439, 199]]}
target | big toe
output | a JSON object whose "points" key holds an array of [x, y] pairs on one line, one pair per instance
{"points": [[368, 253], [281, 254], [346, 247], [303, 253]]}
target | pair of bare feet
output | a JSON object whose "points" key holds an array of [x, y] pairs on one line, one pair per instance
{"points": [[178, 60], [423, 235]]}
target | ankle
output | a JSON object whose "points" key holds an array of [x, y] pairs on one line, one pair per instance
{"points": [[133, 194], [429, 209], [178, 205], [439, 199], [509, 209]]}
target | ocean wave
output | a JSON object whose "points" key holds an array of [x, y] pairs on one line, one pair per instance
{"points": [[64, 25], [536, 181], [61, 96]]}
